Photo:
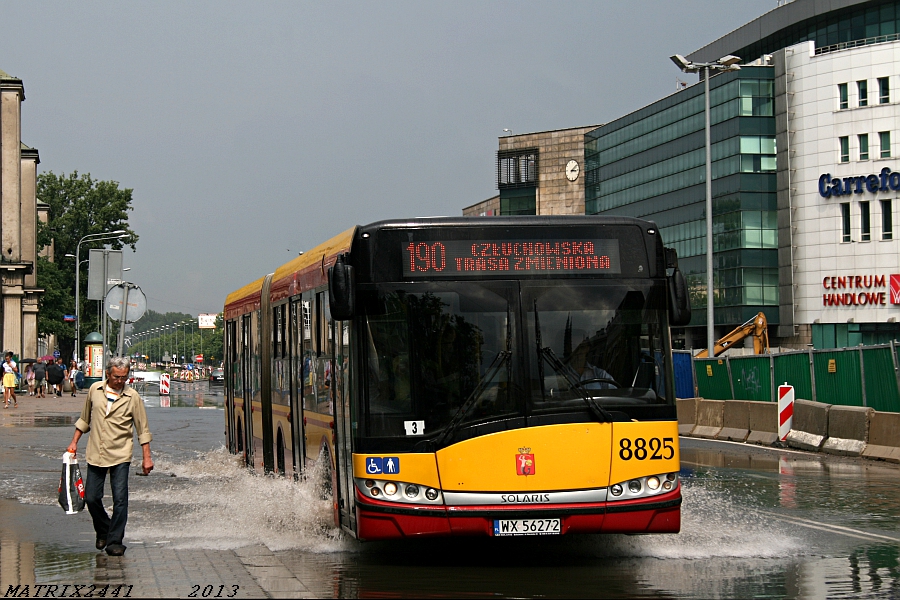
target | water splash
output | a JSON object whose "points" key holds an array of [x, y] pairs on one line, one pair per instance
{"points": [[713, 525], [214, 502]]}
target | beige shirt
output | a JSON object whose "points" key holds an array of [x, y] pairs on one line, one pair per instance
{"points": [[112, 440]]}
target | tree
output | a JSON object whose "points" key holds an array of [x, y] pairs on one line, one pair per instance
{"points": [[159, 343], [79, 206], [153, 319]]}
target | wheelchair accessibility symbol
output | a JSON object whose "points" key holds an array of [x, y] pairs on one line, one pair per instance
{"points": [[389, 465]]}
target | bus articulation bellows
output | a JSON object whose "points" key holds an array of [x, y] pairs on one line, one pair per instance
{"points": [[493, 376]]}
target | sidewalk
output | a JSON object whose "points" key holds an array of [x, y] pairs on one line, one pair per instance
{"points": [[40, 547]]}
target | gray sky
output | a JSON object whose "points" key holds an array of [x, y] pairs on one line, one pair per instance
{"points": [[250, 131]]}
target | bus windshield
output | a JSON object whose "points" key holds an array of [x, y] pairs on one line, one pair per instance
{"points": [[489, 355]]}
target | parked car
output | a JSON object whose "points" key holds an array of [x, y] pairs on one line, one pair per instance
{"points": [[217, 378]]}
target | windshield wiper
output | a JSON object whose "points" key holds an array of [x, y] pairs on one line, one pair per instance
{"points": [[601, 413], [470, 402]]}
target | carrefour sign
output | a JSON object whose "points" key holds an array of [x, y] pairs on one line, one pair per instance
{"points": [[844, 186]]}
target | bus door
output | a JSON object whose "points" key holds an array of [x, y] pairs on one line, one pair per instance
{"points": [[343, 420], [246, 389], [298, 435], [230, 431], [265, 377]]}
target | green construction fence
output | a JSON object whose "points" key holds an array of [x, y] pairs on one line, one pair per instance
{"points": [[862, 376]]}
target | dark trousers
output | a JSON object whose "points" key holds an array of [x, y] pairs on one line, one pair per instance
{"points": [[110, 529]]}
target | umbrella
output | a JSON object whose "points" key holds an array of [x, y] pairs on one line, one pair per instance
{"points": [[46, 358], [28, 361]]}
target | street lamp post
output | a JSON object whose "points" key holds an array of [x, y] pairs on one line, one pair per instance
{"points": [[92, 237], [726, 63]]}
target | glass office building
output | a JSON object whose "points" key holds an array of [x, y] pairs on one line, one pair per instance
{"points": [[651, 164], [816, 101]]}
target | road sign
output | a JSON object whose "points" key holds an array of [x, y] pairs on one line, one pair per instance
{"points": [[69, 318], [137, 303], [96, 286], [785, 410], [56, 354]]}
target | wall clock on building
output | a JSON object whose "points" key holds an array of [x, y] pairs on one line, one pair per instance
{"points": [[572, 170]]}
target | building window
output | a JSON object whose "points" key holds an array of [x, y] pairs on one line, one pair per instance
{"points": [[864, 146], [884, 90], [865, 222], [863, 88], [517, 168], [845, 148], [884, 137], [842, 95], [845, 221], [887, 220]]}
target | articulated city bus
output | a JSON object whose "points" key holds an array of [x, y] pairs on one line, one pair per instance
{"points": [[468, 376]]}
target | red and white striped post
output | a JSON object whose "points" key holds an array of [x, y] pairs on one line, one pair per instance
{"points": [[164, 384], [785, 410]]}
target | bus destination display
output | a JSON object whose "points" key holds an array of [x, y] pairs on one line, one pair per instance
{"points": [[467, 258]]}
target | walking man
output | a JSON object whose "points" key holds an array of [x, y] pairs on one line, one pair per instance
{"points": [[40, 373], [112, 412]]}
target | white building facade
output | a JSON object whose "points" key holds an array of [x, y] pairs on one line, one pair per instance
{"points": [[838, 132]]}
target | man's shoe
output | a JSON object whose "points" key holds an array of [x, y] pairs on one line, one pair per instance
{"points": [[115, 550], [101, 544]]}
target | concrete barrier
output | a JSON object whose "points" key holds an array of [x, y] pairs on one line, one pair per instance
{"points": [[710, 416], [687, 414], [848, 430], [763, 423], [735, 421], [884, 437], [810, 426]]}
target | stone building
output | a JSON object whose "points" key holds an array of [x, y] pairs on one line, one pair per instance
{"points": [[538, 174], [19, 293]]}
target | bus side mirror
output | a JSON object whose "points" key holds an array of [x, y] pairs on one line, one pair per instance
{"points": [[341, 290], [679, 301]]}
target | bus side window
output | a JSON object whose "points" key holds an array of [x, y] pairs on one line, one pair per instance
{"points": [[324, 367], [308, 354]]}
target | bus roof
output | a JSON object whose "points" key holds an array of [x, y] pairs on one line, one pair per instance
{"points": [[304, 272]]}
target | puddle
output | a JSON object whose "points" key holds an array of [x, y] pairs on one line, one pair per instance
{"points": [[41, 421]]}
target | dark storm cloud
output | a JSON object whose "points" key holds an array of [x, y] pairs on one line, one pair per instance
{"points": [[250, 131]]}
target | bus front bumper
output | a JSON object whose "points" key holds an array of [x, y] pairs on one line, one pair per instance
{"points": [[379, 520]]}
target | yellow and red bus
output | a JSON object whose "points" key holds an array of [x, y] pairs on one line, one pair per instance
{"points": [[468, 376]]}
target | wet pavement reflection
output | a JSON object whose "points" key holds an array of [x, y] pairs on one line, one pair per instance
{"points": [[756, 523]]}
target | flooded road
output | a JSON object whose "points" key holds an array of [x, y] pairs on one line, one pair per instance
{"points": [[756, 523]]}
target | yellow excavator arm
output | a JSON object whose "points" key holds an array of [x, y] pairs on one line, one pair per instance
{"points": [[756, 327]]}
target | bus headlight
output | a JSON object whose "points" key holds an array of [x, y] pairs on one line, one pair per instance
{"points": [[399, 491], [642, 487]]}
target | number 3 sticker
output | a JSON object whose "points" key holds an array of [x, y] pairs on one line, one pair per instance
{"points": [[414, 427]]}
